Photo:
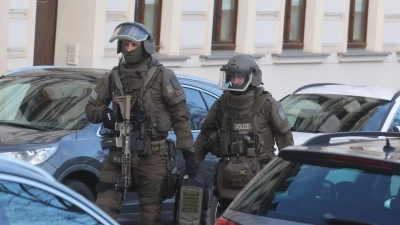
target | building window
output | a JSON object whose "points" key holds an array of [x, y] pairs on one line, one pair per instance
{"points": [[295, 14], [224, 27], [148, 12], [358, 18]]}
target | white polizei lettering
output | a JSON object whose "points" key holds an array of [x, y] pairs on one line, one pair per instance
{"points": [[242, 126]]}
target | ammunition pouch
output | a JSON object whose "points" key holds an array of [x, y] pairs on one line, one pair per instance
{"points": [[265, 158], [238, 148], [169, 184], [108, 143], [163, 147]]}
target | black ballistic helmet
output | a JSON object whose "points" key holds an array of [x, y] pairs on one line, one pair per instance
{"points": [[135, 32], [240, 65]]}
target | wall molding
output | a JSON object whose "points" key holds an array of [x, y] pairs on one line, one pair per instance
{"points": [[333, 16], [266, 16], [392, 18], [16, 52], [18, 14], [193, 16], [116, 16]]}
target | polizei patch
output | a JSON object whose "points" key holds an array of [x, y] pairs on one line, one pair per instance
{"points": [[242, 126]]}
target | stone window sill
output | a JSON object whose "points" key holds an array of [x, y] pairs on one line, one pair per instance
{"points": [[222, 57], [362, 55], [298, 56]]}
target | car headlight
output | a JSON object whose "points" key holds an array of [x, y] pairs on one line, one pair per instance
{"points": [[33, 156]]}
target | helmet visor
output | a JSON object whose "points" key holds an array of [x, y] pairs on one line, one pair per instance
{"points": [[129, 32], [235, 80]]}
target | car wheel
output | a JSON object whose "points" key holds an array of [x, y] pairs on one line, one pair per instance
{"points": [[80, 188], [214, 211]]}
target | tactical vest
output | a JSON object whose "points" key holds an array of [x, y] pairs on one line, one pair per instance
{"points": [[137, 82], [240, 133]]}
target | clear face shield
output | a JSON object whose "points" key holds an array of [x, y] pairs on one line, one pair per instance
{"points": [[234, 79], [129, 32]]}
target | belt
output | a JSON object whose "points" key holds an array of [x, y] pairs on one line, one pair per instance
{"points": [[159, 147]]}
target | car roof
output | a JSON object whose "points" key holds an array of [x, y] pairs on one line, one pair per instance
{"points": [[384, 146], [385, 93], [15, 169], [21, 168], [65, 71]]}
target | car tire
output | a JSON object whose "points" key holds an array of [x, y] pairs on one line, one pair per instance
{"points": [[80, 188]]}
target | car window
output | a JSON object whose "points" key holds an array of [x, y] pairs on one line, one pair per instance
{"points": [[209, 100], [396, 121], [23, 204], [197, 107], [335, 113], [306, 192], [45, 101]]}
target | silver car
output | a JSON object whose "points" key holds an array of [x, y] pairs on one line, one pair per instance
{"points": [[29, 195]]}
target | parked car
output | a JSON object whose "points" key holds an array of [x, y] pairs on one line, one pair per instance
{"points": [[43, 122], [328, 108], [330, 179], [29, 195]]}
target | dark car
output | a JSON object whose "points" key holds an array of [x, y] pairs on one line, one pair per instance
{"points": [[43, 122], [29, 195], [338, 178]]}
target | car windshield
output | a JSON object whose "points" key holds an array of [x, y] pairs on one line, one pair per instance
{"points": [[307, 192], [44, 102], [335, 113]]}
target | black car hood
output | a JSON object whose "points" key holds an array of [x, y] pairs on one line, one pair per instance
{"points": [[14, 137]]}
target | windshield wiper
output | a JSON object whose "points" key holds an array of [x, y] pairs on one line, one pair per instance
{"points": [[31, 126], [332, 220]]}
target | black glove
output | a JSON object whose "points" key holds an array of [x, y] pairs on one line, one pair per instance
{"points": [[109, 119], [191, 166]]}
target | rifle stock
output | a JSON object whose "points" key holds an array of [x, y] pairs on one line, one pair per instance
{"points": [[124, 140]]}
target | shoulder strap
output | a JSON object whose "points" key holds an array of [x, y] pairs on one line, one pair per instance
{"points": [[150, 74], [118, 81]]}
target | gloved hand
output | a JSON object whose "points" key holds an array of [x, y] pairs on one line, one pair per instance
{"points": [[191, 166], [109, 119]]}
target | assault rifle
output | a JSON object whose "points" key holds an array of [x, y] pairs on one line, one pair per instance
{"points": [[124, 141]]}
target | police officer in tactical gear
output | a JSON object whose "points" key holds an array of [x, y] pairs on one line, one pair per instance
{"points": [[158, 104], [241, 128]]}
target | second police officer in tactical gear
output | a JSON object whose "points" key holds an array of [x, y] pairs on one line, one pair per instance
{"points": [[241, 128], [158, 104]]}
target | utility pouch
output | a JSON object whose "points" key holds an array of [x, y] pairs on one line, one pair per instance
{"points": [[224, 141], [237, 148], [237, 174], [164, 123], [108, 143], [265, 158], [169, 185], [213, 144], [171, 148]]}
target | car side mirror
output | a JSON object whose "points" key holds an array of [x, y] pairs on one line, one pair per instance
{"points": [[105, 132]]}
